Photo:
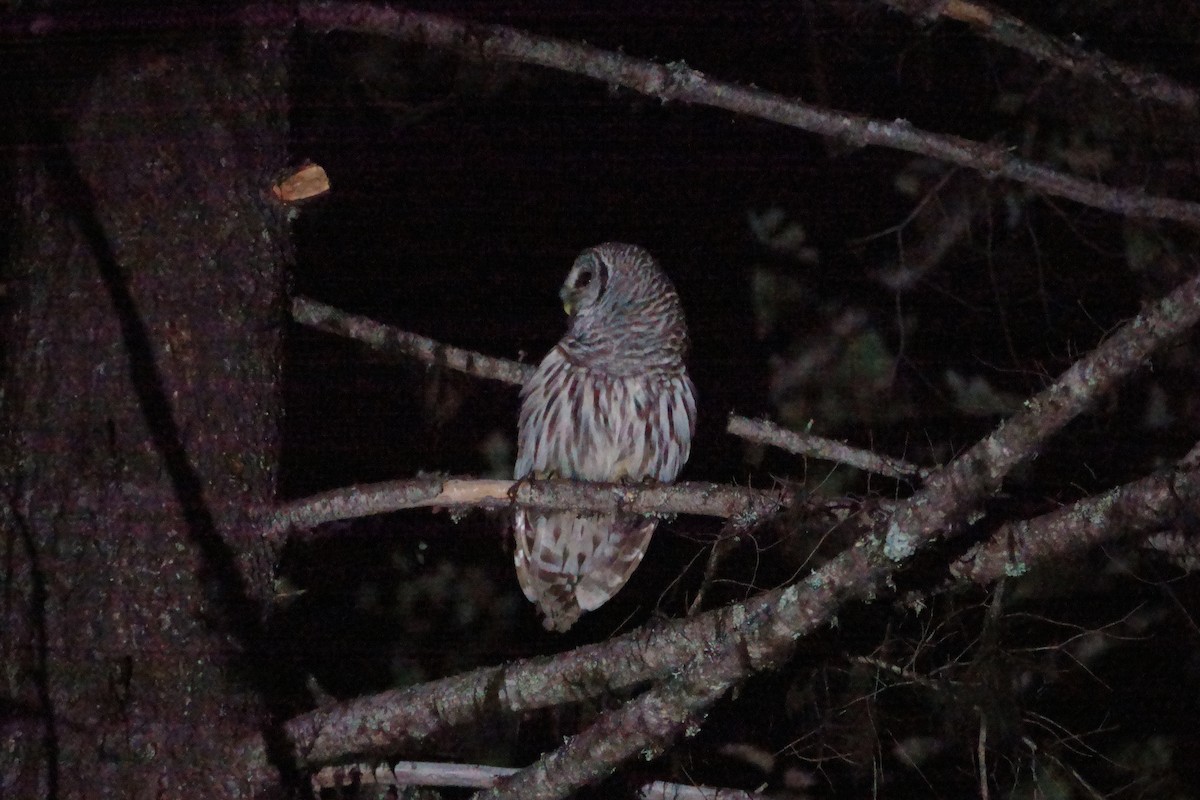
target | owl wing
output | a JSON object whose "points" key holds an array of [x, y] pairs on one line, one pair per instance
{"points": [[544, 419], [656, 425]]}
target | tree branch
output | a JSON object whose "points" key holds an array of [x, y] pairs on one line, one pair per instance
{"points": [[1143, 506], [807, 444], [1004, 28], [388, 339], [429, 773], [654, 720], [352, 502], [676, 82], [418, 716]]}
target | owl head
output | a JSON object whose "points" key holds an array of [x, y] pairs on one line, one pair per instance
{"points": [[619, 299]]}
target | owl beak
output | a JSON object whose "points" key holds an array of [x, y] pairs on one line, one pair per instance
{"points": [[568, 301]]}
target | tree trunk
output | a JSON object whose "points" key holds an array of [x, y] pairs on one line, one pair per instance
{"points": [[141, 408]]}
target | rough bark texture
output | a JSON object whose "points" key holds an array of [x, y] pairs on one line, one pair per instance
{"points": [[140, 407]]}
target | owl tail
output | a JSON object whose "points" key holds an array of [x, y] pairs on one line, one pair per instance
{"points": [[569, 564]]}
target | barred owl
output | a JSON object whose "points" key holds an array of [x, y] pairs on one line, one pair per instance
{"points": [[611, 402]]}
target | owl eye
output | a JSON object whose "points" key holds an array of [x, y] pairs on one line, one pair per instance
{"points": [[593, 277]]}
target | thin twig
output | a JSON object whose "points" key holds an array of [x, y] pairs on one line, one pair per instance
{"points": [[677, 82], [911, 676], [807, 444], [720, 549]]}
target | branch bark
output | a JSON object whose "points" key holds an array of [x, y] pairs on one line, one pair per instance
{"points": [[1142, 506], [388, 339], [427, 773], [807, 444], [674, 82], [420, 715]]}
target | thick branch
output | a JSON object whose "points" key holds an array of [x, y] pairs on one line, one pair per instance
{"points": [[419, 716], [980, 471], [652, 721], [675, 81], [352, 502], [1140, 507], [414, 717]]}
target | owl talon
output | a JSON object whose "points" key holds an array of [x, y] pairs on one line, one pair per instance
{"points": [[516, 488]]}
